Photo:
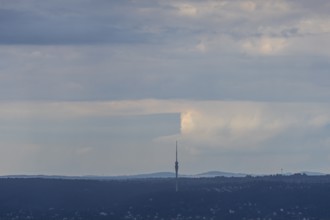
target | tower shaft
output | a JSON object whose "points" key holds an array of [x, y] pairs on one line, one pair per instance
{"points": [[176, 167]]}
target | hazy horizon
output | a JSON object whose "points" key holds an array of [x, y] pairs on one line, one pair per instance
{"points": [[165, 174]]}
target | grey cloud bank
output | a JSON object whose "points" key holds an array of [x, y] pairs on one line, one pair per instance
{"points": [[64, 23], [51, 73], [86, 61], [101, 50]]}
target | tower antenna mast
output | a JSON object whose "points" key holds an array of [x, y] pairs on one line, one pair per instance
{"points": [[176, 167]]}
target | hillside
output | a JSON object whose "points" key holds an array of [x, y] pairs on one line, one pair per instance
{"points": [[269, 197]]}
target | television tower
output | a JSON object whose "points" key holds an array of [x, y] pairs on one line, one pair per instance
{"points": [[176, 167]]}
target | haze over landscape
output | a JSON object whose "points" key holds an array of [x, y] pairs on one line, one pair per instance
{"points": [[99, 87]]}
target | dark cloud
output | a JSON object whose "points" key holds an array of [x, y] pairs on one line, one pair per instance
{"points": [[53, 27], [113, 22], [149, 49]]}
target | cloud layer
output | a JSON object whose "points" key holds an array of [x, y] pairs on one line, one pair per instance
{"points": [[84, 50], [232, 80], [90, 137]]}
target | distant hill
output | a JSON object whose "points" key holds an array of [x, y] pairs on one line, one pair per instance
{"points": [[147, 175], [208, 174], [309, 173], [138, 176], [94, 177], [219, 173], [172, 174]]}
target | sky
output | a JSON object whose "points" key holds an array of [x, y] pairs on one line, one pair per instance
{"points": [[105, 87]]}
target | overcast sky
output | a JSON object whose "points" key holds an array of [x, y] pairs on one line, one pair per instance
{"points": [[106, 87]]}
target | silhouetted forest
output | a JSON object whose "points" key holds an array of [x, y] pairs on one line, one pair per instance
{"points": [[269, 197]]}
